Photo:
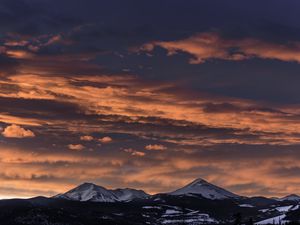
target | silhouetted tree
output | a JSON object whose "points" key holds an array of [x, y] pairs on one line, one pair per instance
{"points": [[250, 221], [237, 219]]}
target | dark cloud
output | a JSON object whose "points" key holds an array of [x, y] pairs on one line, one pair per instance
{"points": [[231, 108], [38, 108], [286, 172], [8, 65], [28, 18]]}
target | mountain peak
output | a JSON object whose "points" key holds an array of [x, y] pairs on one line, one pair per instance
{"points": [[89, 187], [87, 184], [205, 189], [198, 181], [89, 192], [291, 197]]}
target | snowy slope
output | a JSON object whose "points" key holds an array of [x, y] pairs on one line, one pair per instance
{"points": [[207, 190], [95, 193], [128, 194], [273, 220]]}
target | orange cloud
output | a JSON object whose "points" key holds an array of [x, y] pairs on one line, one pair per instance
{"points": [[76, 147], [136, 99], [156, 147], [86, 138], [19, 54], [6, 118], [30, 173], [211, 45], [15, 131], [135, 152], [105, 140], [47, 172]]}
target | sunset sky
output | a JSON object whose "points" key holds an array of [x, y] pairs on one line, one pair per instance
{"points": [[149, 95]]}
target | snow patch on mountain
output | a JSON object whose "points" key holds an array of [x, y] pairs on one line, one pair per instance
{"points": [[128, 194], [246, 206], [284, 208], [176, 218]]}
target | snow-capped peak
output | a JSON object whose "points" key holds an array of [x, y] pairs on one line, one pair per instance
{"points": [[207, 190], [95, 193], [292, 197], [90, 192]]}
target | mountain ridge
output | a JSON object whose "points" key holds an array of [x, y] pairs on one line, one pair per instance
{"points": [[291, 197], [88, 191]]}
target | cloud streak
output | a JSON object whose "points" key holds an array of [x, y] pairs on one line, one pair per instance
{"points": [[135, 99], [211, 45], [155, 147]]}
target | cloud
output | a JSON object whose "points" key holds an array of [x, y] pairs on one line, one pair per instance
{"points": [[76, 147], [105, 140], [86, 138], [156, 147], [59, 170], [134, 152], [134, 102], [211, 45], [18, 120], [192, 124], [19, 54], [14, 43], [16, 131]]}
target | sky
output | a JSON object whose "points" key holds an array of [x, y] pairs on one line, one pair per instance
{"points": [[149, 95]]}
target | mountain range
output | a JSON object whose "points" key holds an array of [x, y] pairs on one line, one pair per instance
{"points": [[95, 193], [199, 202]]}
